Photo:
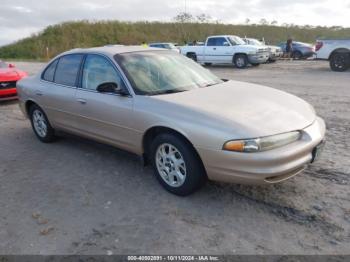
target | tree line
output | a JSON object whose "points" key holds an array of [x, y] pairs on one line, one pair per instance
{"points": [[184, 28]]}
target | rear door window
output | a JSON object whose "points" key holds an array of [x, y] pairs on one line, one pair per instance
{"points": [[67, 70], [50, 71]]}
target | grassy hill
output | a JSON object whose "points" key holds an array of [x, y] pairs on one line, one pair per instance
{"points": [[70, 35]]}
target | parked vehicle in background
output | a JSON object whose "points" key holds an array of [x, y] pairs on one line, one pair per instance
{"points": [[9, 75], [169, 46], [185, 121], [275, 51], [227, 49], [336, 51], [300, 50]]}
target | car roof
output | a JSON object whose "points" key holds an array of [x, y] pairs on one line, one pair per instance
{"points": [[111, 50]]}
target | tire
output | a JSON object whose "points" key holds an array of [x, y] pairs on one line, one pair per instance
{"points": [[41, 125], [190, 175], [297, 55], [339, 62], [240, 61], [192, 56], [207, 64]]}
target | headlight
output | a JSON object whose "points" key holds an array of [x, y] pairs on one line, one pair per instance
{"points": [[262, 143]]}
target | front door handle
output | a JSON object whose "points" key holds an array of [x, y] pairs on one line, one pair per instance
{"points": [[39, 93], [214, 48], [81, 101]]}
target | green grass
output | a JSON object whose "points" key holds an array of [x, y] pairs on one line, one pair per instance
{"points": [[65, 36]]}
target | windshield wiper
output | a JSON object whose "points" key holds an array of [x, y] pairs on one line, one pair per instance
{"points": [[170, 91], [207, 85]]}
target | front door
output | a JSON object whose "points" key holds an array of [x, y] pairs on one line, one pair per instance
{"points": [[105, 116], [218, 50]]}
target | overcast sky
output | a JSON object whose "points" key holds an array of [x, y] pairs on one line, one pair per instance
{"points": [[20, 18]]}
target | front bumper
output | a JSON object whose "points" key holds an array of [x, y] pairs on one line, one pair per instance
{"points": [[275, 55], [8, 94], [258, 58], [264, 167]]}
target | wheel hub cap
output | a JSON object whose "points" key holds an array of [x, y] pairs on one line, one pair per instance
{"points": [[170, 165], [39, 123]]}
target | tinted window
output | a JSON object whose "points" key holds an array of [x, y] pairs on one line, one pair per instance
{"points": [[211, 42], [67, 70], [217, 41], [98, 70], [50, 71]]}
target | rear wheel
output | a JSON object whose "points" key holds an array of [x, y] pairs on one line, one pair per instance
{"points": [[176, 165], [41, 125], [192, 56], [339, 62], [297, 55], [240, 61]]}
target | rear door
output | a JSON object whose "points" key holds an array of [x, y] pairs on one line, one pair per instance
{"points": [[218, 50], [57, 91], [105, 116]]}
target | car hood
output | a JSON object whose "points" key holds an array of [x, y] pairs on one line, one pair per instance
{"points": [[248, 110], [9, 74]]}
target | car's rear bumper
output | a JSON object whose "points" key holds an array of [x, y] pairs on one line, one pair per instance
{"points": [[8, 94], [264, 167]]}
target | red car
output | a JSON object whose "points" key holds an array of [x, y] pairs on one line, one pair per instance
{"points": [[9, 76]]}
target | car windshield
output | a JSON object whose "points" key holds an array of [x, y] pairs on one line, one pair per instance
{"points": [[254, 42], [235, 40], [163, 72], [3, 64]]}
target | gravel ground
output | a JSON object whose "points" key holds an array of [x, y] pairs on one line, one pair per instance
{"points": [[80, 197]]}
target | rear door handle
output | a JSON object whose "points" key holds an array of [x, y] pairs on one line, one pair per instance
{"points": [[39, 93], [81, 101], [214, 48]]}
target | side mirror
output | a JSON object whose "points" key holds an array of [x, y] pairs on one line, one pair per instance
{"points": [[12, 66], [226, 44], [111, 87]]}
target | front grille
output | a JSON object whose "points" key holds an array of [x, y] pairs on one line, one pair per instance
{"points": [[7, 85]]}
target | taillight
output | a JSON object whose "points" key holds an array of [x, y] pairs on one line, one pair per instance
{"points": [[319, 46]]}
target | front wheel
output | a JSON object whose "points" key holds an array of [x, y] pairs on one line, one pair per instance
{"points": [[41, 125], [240, 61], [177, 167], [297, 55], [339, 62]]}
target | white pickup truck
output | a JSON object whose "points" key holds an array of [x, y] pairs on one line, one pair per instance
{"points": [[227, 49], [336, 51]]}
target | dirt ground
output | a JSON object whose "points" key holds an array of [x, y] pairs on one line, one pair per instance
{"points": [[79, 197]]}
